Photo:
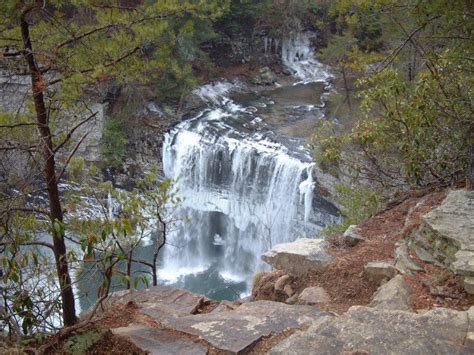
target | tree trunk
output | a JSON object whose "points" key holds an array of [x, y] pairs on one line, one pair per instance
{"points": [[49, 172], [346, 88], [470, 177], [159, 246], [129, 268]]}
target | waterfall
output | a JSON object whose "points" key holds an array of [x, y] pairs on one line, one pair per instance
{"points": [[306, 191], [244, 190], [298, 56]]}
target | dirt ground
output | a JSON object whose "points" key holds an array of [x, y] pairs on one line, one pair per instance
{"points": [[344, 277]]}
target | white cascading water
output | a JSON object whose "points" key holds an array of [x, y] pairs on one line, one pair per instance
{"points": [[243, 191], [298, 55]]}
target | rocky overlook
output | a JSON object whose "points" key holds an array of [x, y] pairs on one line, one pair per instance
{"points": [[373, 296]]}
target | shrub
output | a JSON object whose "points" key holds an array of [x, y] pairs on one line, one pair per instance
{"points": [[357, 204], [114, 142]]}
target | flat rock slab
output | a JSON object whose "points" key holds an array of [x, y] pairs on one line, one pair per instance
{"points": [[161, 303], [299, 257], [454, 219], [160, 342], [366, 330], [237, 331]]}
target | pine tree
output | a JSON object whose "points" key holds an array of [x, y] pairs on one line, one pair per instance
{"points": [[71, 50]]}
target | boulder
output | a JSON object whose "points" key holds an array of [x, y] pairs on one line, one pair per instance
{"points": [[403, 262], [454, 219], [313, 295], [469, 285], [352, 236], [289, 290], [447, 230], [159, 342], [365, 330], [293, 299], [299, 257], [265, 76], [153, 108], [464, 264], [378, 271], [282, 282], [393, 295]]}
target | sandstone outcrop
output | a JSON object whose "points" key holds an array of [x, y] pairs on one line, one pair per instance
{"points": [[446, 235], [365, 330], [299, 257], [231, 330]]}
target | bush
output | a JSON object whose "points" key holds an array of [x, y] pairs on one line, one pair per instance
{"points": [[79, 343], [114, 142], [357, 204]]}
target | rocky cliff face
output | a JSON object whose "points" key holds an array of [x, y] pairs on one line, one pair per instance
{"points": [[446, 236]]}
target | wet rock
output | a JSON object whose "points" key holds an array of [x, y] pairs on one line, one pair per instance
{"points": [[92, 131], [379, 271], [286, 71], [375, 331], [299, 257], [265, 76], [393, 295], [282, 282], [192, 103], [403, 262], [153, 108], [237, 331], [159, 342], [351, 236], [313, 295]]}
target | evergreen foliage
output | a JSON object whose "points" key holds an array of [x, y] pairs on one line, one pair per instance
{"points": [[114, 142], [416, 95], [71, 52]]}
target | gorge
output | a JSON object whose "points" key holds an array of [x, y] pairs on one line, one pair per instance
{"points": [[246, 183]]}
